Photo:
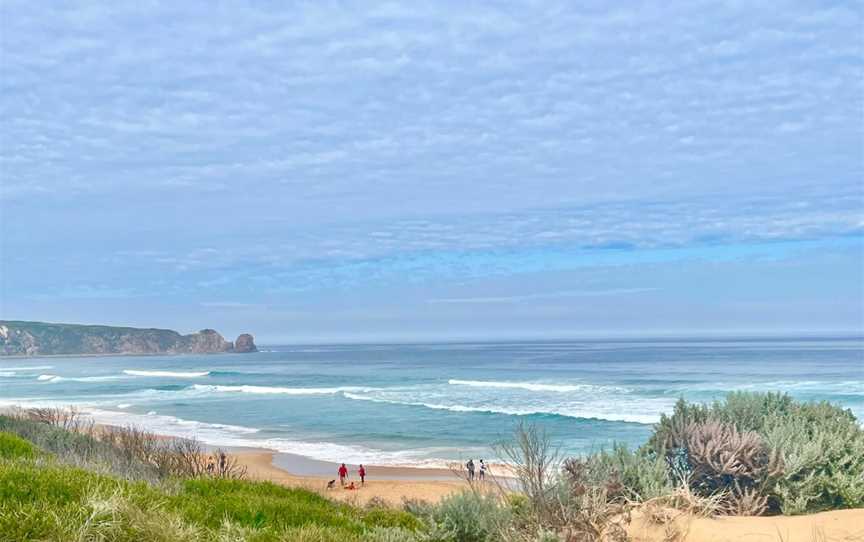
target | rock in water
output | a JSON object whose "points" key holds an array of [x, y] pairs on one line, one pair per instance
{"points": [[244, 344]]}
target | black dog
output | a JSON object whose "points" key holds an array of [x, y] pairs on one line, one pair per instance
{"points": [[331, 484]]}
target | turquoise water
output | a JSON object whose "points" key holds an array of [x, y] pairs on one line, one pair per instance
{"points": [[425, 404]]}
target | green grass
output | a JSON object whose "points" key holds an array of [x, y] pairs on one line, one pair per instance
{"points": [[41, 499], [13, 447]]}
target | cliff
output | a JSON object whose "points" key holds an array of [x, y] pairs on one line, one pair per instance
{"points": [[39, 338]]}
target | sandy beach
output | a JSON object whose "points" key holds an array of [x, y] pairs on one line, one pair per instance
{"points": [[390, 484]]}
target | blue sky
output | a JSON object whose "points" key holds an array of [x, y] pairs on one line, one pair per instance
{"points": [[383, 171]]}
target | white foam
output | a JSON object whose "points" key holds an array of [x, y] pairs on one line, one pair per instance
{"points": [[7, 373], [538, 386], [174, 374], [269, 390], [55, 378], [583, 413], [124, 405], [216, 434]]}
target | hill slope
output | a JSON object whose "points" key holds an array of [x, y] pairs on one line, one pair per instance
{"points": [[19, 338]]}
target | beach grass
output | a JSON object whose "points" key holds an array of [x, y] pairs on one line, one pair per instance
{"points": [[41, 499]]}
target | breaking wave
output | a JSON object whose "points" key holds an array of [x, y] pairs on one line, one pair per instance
{"points": [[276, 390], [218, 434], [537, 386], [577, 413], [175, 374], [56, 378]]}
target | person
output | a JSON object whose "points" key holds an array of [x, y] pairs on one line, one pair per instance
{"points": [[210, 465], [343, 474], [470, 466], [222, 462], [362, 472], [482, 470]]}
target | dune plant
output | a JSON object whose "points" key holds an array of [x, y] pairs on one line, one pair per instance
{"points": [[814, 461], [822, 447], [723, 459]]}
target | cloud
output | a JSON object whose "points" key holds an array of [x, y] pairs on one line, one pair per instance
{"points": [[537, 296], [306, 148], [231, 305]]}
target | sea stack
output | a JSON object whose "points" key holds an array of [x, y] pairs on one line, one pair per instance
{"points": [[244, 344]]}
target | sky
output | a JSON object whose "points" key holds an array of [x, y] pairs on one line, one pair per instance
{"points": [[363, 171]]}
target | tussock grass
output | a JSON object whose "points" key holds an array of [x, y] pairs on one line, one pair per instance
{"points": [[41, 499], [15, 447]]}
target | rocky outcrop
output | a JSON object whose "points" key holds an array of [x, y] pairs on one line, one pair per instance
{"points": [[207, 340], [40, 338], [245, 344]]}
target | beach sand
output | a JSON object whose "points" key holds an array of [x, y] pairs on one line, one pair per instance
{"points": [[395, 484], [390, 484], [834, 526]]}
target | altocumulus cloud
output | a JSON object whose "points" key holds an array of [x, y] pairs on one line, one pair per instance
{"points": [[192, 147]]}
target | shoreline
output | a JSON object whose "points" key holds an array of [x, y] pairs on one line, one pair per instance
{"points": [[392, 485]]}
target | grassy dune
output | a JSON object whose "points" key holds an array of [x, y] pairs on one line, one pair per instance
{"points": [[42, 499]]}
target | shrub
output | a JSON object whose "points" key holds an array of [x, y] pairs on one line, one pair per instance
{"points": [[642, 474], [595, 505], [722, 459], [820, 447], [390, 534], [467, 517], [388, 517]]}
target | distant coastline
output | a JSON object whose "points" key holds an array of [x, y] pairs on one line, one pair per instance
{"points": [[30, 339]]}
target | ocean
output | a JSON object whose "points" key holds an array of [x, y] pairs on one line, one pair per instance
{"points": [[428, 404]]}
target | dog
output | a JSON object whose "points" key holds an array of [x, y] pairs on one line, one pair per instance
{"points": [[331, 484]]}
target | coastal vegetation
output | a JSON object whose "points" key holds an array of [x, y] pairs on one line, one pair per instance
{"points": [[61, 478]]}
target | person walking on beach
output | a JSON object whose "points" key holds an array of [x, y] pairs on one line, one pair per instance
{"points": [[343, 474], [470, 466], [223, 461], [482, 470], [362, 473]]}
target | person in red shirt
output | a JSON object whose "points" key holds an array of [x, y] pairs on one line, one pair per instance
{"points": [[362, 472], [343, 474]]}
